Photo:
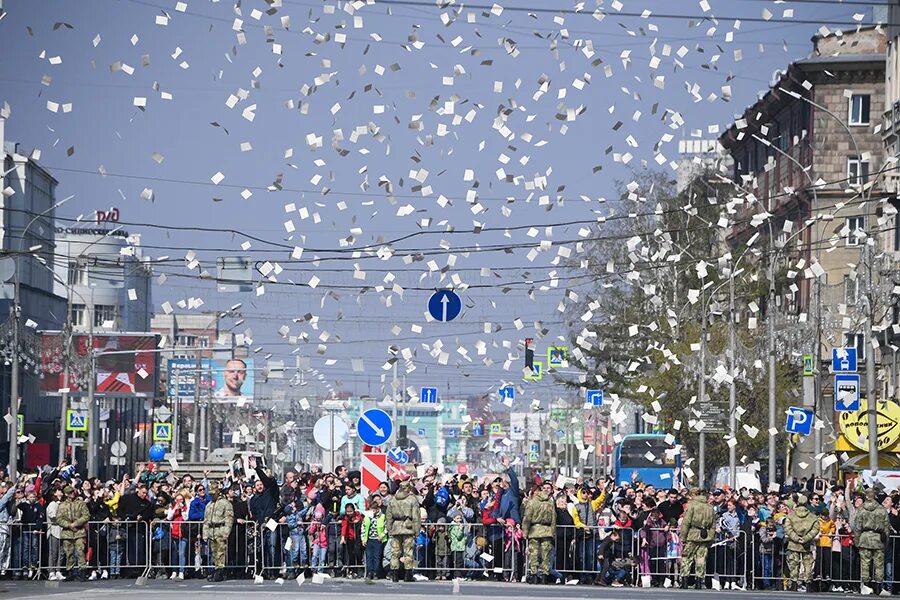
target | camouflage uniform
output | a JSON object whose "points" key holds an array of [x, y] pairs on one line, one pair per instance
{"points": [[73, 511], [800, 529], [217, 522], [402, 522], [539, 525], [697, 531], [872, 527]]}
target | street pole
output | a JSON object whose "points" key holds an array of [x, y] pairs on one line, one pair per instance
{"points": [[396, 433], [732, 388], [702, 393], [16, 310], [176, 402], [770, 327], [195, 424], [869, 349], [93, 413]]}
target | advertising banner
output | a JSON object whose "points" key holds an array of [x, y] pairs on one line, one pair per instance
{"points": [[125, 364], [223, 379]]}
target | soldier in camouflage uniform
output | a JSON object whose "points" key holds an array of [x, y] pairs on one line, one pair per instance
{"points": [[217, 522], [402, 521], [539, 525], [72, 517], [697, 531], [872, 527], [801, 528]]}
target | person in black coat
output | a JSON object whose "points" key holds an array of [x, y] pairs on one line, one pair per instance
{"points": [[563, 558], [136, 511], [263, 506], [239, 555]]}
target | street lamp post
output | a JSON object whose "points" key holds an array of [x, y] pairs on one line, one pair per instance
{"points": [[14, 374]]}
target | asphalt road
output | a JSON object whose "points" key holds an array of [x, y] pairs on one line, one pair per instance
{"points": [[342, 590]]}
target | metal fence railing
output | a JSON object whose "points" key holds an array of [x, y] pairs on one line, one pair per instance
{"points": [[644, 557]]}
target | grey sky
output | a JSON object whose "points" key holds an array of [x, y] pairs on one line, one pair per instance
{"points": [[106, 128]]}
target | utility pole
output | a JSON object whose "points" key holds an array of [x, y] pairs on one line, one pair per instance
{"points": [[869, 349], [195, 420], [701, 479], [93, 413], [732, 391], [770, 327]]}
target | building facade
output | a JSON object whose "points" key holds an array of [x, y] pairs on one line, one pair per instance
{"points": [[27, 238], [104, 276]]}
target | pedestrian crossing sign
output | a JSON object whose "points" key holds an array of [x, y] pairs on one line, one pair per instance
{"points": [[533, 457], [76, 421], [20, 424], [162, 432], [496, 429]]}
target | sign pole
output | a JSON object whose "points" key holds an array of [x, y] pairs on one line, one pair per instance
{"points": [[176, 402]]}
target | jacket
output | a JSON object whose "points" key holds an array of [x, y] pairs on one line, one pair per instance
{"points": [[826, 530], [218, 519], [403, 516], [33, 515], [53, 528], [457, 537], [73, 512], [699, 519], [540, 517], [800, 528], [379, 528], [198, 507], [872, 526], [263, 506], [585, 513]]}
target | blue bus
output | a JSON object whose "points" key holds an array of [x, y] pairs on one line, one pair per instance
{"points": [[646, 454]]}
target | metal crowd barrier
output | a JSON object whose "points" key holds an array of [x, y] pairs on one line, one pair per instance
{"points": [[836, 565], [20, 550], [178, 550], [117, 547], [578, 553]]}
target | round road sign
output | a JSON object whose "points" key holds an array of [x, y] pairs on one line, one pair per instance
{"points": [[330, 432]]}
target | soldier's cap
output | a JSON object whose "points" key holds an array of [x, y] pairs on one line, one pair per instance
{"points": [[802, 500], [68, 490], [406, 484], [214, 488], [695, 491], [871, 494]]}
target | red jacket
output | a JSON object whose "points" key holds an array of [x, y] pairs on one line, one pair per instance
{"points": [[349, 529]]}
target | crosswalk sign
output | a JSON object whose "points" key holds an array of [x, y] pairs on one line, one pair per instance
{"points": [[537, 372], [162, 432], [76, 421], [496, 428], [20, 424]]}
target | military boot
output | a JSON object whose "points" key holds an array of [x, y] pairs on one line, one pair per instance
{"points": [[409, 576], [395, 576]]}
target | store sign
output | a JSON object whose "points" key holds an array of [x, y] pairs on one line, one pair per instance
{"points": [[854, 425], [108, 216]]}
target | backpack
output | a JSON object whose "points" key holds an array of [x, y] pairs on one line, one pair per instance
{"points": [[442, 497]]}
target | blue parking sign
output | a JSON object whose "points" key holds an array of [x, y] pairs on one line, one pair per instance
{"points": [[799, 420]]}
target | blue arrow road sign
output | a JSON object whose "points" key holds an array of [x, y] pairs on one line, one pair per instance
{"points": [[846, 391], [444, 305], [843, 360], [420, 432], [595, 397], [428, 395], [374, 427], [799, 420], [398, 456], [508, 391], [453, 432]]}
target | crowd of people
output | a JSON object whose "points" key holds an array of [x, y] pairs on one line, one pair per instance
{"points": [[57, 525]]}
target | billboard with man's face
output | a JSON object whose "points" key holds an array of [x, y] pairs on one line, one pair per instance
{"points": [[223, 379]]}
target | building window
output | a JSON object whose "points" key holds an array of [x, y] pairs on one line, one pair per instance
{"points": [[855, 228], [859, 109], [78, 315], [78, 274], [851, 290], [858, 341], [104, 313], [857, 170]]}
